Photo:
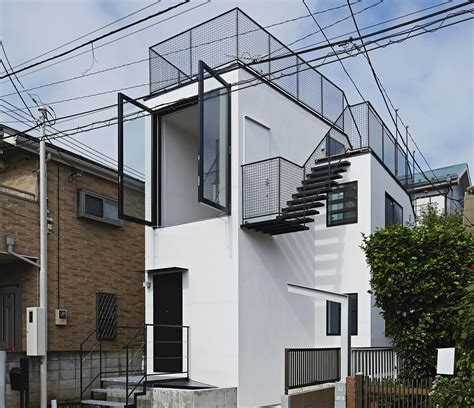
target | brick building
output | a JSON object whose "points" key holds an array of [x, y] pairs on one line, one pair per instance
{"points": [[93, 256]]}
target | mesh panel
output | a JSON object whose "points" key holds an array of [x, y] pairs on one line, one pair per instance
{"points": [[214, 42], [388, 150], [283, 70], [106, 316], [176, 51], [253, 42], [375, 134], [260, 188], [309, 87], [333, 101], [356, 131], [233, 36], [162, 73]]}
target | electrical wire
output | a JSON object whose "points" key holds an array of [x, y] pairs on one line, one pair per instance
{"points": [[407, 32], [101, 37], [91, 32], [376, 78], [220, 39]]}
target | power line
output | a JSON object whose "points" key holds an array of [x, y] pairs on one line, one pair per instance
{"points": [[115, 39], [384, 98], [108, 122], [360, 38], [174, 51], [334, 51], [220, 39], [89, 33], [101, 37], [408, 32]]}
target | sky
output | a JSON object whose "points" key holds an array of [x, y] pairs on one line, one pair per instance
{"points": [[430, 79]]}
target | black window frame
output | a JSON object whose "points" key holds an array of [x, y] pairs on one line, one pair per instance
{"points": [[393, 205], [353, 328], [203, 68], [342, 187], [81, 207], [338, 313], [153, 222]]}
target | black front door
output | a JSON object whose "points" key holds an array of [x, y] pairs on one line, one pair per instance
{"points": [[167, 313]]}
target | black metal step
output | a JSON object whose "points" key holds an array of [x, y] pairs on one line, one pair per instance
{"points": [[317, 186], [306, 205], [337, 170], [310, 194], [309, 200], [311, 179], [298, 214], [330, 166]]}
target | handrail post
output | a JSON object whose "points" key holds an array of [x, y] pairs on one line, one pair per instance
{"points": [[80, 371], [286, 371], [187, 353], [126, 375], [100, 361]]}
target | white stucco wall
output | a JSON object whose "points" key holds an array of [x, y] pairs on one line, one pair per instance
{"points": [[209, 250], [234, 295]]}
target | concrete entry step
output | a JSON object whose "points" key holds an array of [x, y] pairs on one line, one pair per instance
{"points": [[100, 403]]}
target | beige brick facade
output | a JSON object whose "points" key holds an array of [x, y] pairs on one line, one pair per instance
{"points": [[84, 256]]}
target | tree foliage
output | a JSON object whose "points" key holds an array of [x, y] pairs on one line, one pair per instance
{"points": [[419, 273]]}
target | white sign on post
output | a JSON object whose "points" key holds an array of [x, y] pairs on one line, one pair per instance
{"points": [[445, 361]]}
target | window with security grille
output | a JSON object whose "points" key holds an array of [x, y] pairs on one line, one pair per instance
{"points": [[342, 204], [106, 316]]}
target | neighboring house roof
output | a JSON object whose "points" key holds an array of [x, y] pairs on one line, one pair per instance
{"points": [[444, 175], [30, 143]]}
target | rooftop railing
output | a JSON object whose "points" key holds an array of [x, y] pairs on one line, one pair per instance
{"points": [[233, 37]]}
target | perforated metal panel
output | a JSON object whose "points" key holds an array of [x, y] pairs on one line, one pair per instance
{"points": [[106, 316]]}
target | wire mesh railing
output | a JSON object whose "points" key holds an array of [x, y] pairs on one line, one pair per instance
{"points": [[365, 128], [234, 37]]}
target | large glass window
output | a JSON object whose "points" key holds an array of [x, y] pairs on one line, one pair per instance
{"points": [[214, 147], [393, 212], [333, 316], [342, 204], [137, 159]]}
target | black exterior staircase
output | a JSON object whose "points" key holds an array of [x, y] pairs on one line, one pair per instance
{"points": [[309, 196]]}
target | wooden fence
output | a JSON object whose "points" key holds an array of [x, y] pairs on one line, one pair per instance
{"points": [[392, 393]]}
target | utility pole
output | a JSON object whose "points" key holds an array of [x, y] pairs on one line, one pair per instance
{"points": [[43, 255]]}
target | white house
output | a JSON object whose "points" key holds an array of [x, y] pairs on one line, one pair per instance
{"points": [[255, 176], [445, 188]]}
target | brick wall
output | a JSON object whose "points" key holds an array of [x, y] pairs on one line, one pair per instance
{"points": [[84, 256]]}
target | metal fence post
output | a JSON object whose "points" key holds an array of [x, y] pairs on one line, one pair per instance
{"points": [[286, 371]]}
